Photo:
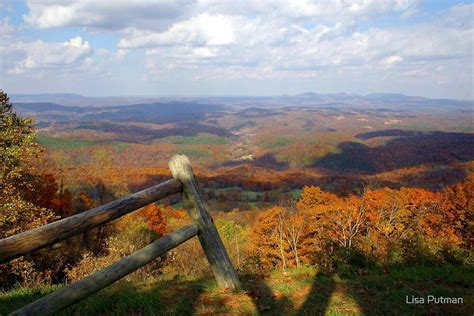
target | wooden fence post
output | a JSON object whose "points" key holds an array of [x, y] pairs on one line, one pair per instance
{"points": [[207, 233]]}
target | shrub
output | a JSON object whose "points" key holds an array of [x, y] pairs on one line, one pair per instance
{"points": [[131, 234]]}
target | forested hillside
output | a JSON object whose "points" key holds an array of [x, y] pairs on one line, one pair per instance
{"points": [[323, 209]]}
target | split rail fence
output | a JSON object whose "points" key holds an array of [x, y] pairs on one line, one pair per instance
{"points": [[203, 227]]}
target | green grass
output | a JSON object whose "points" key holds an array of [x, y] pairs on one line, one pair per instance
{"points": [[240, 124], [177, 206], [196, 140], [419, 126], [65, 143], [296, 193], [249, 197], [462, 129], [279, 142], [310, 141], [301, 291], [120, 145], [195, 153], [246, 195]]}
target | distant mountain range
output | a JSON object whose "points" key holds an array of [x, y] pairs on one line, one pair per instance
{"points": [[70, 99], [390, 100], [394, 101], [76, 108], [128, 118], [146, 112]]}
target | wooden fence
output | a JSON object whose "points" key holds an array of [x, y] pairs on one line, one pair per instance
{"points": [[203, 227]]}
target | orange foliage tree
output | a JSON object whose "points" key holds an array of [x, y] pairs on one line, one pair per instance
{"points": [[276, 239], [384, 225], [266, 244], [155, 219], [341, 220]]}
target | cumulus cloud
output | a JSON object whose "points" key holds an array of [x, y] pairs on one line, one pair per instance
{"points": [[159, 15], [201, 30], [6, 29], [344, 8], [260, 43], [281, 35], [106, 15], [393, 59], [257, 39], [323, 11], [38, 55]]}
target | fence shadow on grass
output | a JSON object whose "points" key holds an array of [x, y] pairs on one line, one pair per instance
{"points": [[369, 293], [269, 303]]}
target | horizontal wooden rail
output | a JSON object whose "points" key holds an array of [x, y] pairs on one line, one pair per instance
{"points": [[93, 283], [31, 240], [184, 182]]}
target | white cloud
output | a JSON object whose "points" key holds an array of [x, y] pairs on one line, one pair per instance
{"points": [[121, 54], [253, 40], [160, 15], [323, 11], [345, 8], [393, 59], [38, 55], [201, 30], [6, 29], [281, 35], [108, 15], [460, 16]]}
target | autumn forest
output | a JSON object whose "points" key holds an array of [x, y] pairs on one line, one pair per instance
{"points": [[336, 203]]}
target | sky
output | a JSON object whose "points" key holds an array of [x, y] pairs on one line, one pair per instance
{"points": [[237, 48]]}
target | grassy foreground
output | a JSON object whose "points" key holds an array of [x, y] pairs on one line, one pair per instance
{"points": [[294, 292]]}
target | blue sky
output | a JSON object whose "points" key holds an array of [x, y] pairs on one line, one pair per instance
{"points": [[185, 48]]}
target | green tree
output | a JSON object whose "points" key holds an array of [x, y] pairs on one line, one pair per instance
{"points": [[234, 237], [19, 183]]}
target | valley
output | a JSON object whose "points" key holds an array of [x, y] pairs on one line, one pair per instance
{"points": [[344, 147], [403, 167]]}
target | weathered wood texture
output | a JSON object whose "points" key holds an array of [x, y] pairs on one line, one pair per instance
{"points": [[93, 283], [208, 236], [29, 241]]}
